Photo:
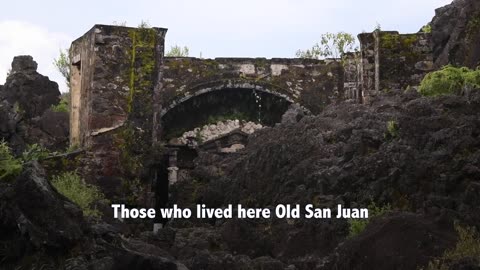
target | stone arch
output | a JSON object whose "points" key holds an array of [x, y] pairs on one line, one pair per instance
{"points": [[225, 96]]}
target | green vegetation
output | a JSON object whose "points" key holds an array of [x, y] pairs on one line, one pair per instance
{"points": [[63, 105], [17, 108], [70, 185], [392, 129], [35, 152], [427, 28], [143, 24], [62, 63], [330, 46], [468, 246], [358, 225], [178, 51], [449, 80], [72, 148], [10, 167]]}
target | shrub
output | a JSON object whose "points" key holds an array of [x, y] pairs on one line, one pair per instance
{"points": [[72, 148], [63, 105], [35, 152], [392, 129], [74, 188], [472, 79], [177, 51], [62, 63], [449, 80], [9, 165], [358, 225], [468, 246], [427, 28]]}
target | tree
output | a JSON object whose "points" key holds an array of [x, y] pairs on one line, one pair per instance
{"points": [[330, 46], [62, 63], [177, 51], [143, 24]]}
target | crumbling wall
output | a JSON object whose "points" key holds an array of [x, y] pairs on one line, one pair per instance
{"points": [[353, 71], [122, 88], [368, 63], [392, 61], [115, 95], [404, 59]]}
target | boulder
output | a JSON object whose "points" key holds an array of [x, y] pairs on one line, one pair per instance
{"points": [[12, 130], [33, 92], [294, 114], [45, 216], [398, 241], [35, 219], [50, 130], [25, 114]]}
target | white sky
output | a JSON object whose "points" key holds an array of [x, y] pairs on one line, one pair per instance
{"points": [[215, 28]]}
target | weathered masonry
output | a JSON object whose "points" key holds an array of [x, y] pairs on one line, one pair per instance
{"points": [[391, 61], [127, 98], [258, 89]]}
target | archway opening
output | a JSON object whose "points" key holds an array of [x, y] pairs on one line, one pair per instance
{"points": [[226, 104]]}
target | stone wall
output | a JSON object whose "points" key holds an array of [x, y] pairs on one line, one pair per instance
{"points": [[353, 71], [308, 82], [124, 91], [312, 83], [113, 74], [392, 61]]}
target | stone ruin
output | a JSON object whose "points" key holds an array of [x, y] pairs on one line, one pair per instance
{"points": [[128, 100]]}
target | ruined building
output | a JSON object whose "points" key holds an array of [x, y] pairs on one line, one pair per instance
{"points": [[127, 97]]}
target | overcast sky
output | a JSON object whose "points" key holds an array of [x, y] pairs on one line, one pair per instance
{"points": [[215, 28]]}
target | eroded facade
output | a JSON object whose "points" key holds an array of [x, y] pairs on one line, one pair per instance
{"points": [[128, 99]]}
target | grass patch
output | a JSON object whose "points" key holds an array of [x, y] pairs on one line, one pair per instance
{"points": [[35, 152], [356, 226], [392, 129], [63, 105], [10, 167], [72, 186], [468, 246]]}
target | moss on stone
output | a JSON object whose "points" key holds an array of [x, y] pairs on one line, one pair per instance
{"points": [[389, 40], [132, 139], [408, 41]]}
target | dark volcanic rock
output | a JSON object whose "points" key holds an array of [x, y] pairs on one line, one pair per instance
{"points": [[12, 130], [456, 34], [294, 114], [428, 162], [23, 63], [41, 229], [50, 130], [25, 115], [397, 241], [33, 92], [48, 218], [35, 218]]}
